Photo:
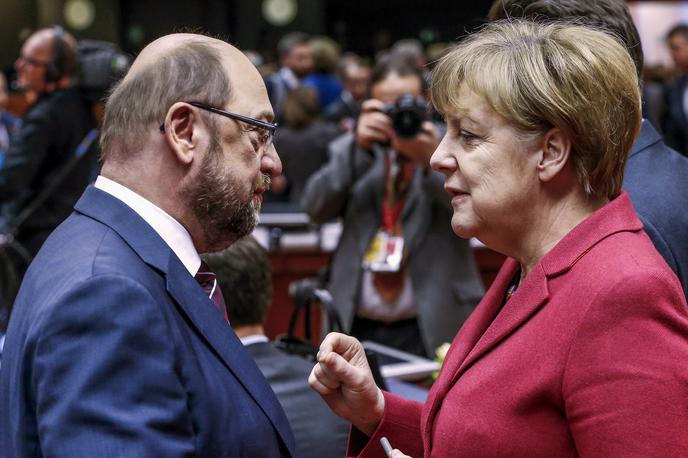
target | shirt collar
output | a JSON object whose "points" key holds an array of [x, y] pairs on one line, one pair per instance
{"points": [[168, 228], [254, 339]]}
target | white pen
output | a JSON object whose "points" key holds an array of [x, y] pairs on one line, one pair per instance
{"points": [[386, 446]]}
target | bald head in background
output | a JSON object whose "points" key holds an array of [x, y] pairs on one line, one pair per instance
{"points": [[134, 352]]}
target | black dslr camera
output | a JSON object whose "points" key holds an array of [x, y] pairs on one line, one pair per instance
{"points": [[408, 114]]}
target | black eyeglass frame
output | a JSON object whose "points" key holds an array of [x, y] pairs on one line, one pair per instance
{"points": [[32, 61], [270, 127]]}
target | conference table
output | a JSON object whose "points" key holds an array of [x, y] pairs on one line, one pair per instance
{"points": [[292, 263]]}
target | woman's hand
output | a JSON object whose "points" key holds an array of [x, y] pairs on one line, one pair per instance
{"points": [[344, 380]]}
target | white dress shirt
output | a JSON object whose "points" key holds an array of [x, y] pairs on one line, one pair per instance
{"points": [[168, 228], [254, 339]]}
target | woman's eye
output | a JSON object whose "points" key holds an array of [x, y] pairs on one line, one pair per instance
{"points": [[468, 137]]}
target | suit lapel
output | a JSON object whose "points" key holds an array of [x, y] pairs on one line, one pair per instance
{"points": [[192, 301], [222, 339], [415, 216], [364, 216]]}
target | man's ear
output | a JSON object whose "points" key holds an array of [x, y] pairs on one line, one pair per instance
{"points": [[556, 150], [181, 130]]}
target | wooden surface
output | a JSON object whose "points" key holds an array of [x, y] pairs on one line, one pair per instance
{"points": [[291, 265]]}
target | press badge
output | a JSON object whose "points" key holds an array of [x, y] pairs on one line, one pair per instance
{"points": [[384, 253]]}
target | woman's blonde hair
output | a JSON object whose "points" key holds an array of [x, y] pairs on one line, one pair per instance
{"points": [[540, 76]]}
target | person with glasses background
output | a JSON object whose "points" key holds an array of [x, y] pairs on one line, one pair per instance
{"points": [[57, 121], [119, 340]]}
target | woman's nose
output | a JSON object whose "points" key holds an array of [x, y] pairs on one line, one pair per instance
{"points": [[441, 160]]}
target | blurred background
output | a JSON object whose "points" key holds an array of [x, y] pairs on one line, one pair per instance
{"points": [[362, 26], [298, 249]]}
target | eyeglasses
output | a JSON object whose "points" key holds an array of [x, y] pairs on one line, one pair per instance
{"points": [[31, 61], [268, 127]]}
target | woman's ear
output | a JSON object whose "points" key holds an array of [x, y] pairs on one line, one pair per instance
{"points": [[556, 150], [181, 131]]}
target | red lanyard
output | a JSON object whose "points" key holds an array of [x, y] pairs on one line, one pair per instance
{"points": [[396, 186]]}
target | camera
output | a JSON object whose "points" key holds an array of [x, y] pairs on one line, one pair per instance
{"points": [[407, 114]]}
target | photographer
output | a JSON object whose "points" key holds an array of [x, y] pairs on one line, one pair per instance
{"points": [[399, 277]]}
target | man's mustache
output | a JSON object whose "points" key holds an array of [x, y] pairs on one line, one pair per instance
{"points": [[265, 182]]}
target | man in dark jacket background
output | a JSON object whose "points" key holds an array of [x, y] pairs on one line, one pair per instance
{"points": [[57, 121]]}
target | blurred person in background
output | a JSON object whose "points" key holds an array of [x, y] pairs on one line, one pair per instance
{"points": [[395, 222], [243, 274], [656, 176], [412, 51], [676, 111], [56, 123], [50, 158], [302, 139], [355, 77], [578, 347], [9, 124], [296, 62], [324, 78]]}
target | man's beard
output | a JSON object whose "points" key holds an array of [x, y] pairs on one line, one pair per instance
{"points": [[224, 215]]}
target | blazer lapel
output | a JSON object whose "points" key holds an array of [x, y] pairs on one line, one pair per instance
{"points": [[191, 299], [467, 338], [526, 301], [488, 326]]}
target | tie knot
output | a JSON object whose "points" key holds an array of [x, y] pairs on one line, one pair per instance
{"points": [[204, 273], [206, 278]]}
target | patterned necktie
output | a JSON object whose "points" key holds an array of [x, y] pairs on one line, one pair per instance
{"points": [[206, 278]]}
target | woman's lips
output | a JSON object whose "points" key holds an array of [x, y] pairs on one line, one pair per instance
{"points": [[454, 192], [457, 195]]}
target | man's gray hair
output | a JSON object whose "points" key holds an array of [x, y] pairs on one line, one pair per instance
{"points": [[191, 72]]}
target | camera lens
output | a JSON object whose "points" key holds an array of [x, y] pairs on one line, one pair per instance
{"points": [[408, 114]]}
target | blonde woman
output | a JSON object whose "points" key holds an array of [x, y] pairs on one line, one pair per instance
{"points": [[579, 346]]}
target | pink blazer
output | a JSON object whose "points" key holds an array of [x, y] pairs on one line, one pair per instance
{"points": [[588, 358]]}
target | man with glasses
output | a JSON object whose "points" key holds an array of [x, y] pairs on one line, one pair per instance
{"points": [[119, 343], [57, 121]]}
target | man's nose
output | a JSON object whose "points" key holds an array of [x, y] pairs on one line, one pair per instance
{"points": [[270, 162]]}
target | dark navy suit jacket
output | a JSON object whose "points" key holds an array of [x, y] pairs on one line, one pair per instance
{"points": [[113, 349], [656, 180], [675, 121], [318, 431]]}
